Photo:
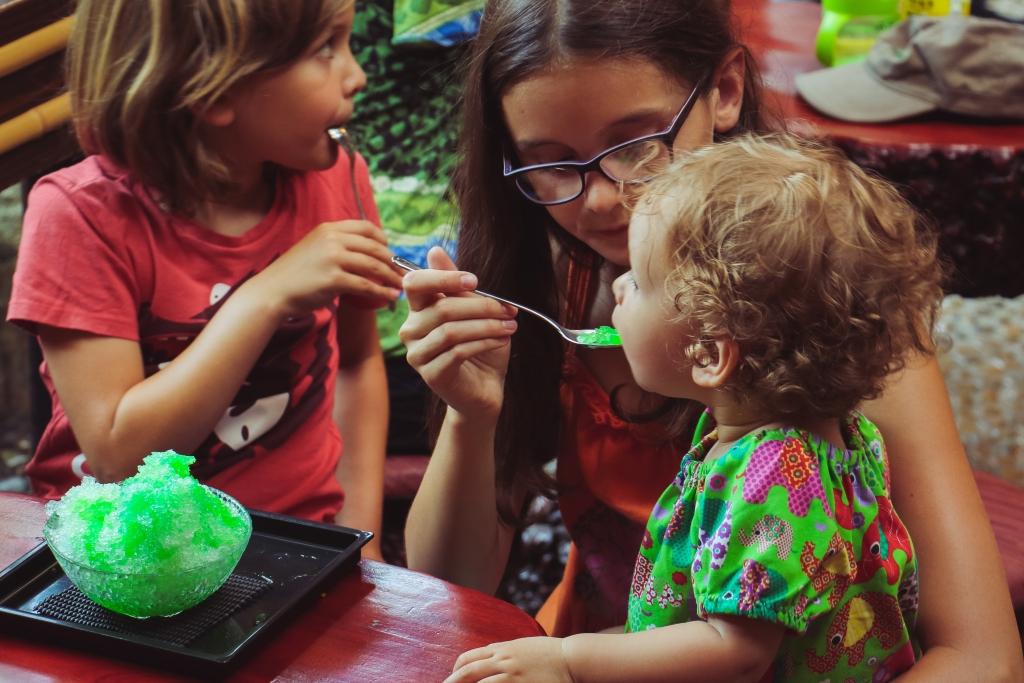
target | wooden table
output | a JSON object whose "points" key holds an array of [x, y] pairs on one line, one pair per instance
{"points": [[377, 623], [964, 173]]}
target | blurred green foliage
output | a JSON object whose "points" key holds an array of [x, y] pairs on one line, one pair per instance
{"points": [[405, 123]]}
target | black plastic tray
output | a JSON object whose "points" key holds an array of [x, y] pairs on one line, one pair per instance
{"points": [[299, 557]]}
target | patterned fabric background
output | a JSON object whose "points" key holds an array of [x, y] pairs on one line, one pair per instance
{"points": [[405, 125], [445, 22], [982, 359]]}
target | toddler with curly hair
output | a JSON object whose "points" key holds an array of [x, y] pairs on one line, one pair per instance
{"points": [[780, 285]]}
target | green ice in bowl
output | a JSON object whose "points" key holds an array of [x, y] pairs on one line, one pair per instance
{"points": [[153, 545], [602, 336]]}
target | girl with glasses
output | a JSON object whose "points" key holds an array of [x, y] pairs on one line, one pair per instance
{"points": [[552, 86]]}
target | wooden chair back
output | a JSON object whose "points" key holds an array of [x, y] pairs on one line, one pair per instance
{"points": [[34, 135]]}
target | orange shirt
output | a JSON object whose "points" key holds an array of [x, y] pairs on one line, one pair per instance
{"points": [[610, 473]]}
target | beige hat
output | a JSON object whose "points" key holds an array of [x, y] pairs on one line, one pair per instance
{"points": [[964, 65]]}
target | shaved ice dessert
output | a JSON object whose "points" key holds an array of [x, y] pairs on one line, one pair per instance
{"points": [[153, 545], [602, 336]]}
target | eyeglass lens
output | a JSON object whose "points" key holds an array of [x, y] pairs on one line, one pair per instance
{"points": [[633, 163]]}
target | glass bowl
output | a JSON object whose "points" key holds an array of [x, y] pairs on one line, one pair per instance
{"points": [[150, 594]]}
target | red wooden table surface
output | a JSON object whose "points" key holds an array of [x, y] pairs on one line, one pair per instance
{"points": [[377, 623], [781, 34]]}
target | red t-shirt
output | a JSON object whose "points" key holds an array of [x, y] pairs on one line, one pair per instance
{"points": [[99, 255]]}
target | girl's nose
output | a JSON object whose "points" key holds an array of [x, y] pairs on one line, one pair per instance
{"points": [[601, 194]]}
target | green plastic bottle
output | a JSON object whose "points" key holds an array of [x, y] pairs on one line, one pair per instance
{"points": [[849, 28]]}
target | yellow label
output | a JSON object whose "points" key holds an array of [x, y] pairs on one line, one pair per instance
{"points": [[935, 8]]}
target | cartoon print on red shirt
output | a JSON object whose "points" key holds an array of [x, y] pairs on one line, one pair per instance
{"points": [[280, 392]]}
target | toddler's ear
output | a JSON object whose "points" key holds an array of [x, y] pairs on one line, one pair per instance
{"points": [[717, 365]]}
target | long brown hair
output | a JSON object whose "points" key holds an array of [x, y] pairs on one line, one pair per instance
{"points": [[504, 238], [141, 71]]}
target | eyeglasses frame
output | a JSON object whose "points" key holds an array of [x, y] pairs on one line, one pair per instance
{"points": [[582, 168]]}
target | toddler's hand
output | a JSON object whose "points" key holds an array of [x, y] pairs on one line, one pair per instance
{"points": [[536, 660], [343, 257]]}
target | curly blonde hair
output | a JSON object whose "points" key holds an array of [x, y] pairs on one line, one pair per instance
{"points": [[141, 73], [823, 274]]}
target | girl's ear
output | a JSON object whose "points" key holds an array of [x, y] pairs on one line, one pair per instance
{"points": [[218, 115], [727, 90], [717, 367]]}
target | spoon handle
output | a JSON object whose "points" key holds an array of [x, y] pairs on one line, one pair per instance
{"points": [[574, 336], [406, 264], [344, 139]]}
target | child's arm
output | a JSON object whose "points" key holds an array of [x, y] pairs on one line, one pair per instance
{"points": [[459, 344], [119, 415], [724, 648], [361, 413]]}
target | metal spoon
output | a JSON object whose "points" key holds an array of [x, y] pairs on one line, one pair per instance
{"points": [[342, 137], [591, 338]]}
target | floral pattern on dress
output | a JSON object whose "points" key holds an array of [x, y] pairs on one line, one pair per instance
{"points": [[787, 528]]}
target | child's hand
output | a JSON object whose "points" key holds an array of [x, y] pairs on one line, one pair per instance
{"points": [[344, 257], [536, 660]]}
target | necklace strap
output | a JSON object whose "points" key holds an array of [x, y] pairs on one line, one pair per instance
{"points": [[581, 283]]}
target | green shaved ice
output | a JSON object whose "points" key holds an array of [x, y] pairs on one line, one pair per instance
{"points": [[157, 543], [602, 336], [164, 464]]}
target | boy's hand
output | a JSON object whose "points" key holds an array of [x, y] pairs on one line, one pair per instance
{"points": [[533, 660], [343, 257]]}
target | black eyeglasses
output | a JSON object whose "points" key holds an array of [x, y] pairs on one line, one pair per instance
{"points": [[633, 161]]}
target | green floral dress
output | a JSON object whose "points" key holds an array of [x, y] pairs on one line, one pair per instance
{"points": [[787, 528]]}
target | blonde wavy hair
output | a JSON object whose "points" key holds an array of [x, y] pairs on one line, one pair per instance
{"points": [[823, 274], [142, 72]]}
